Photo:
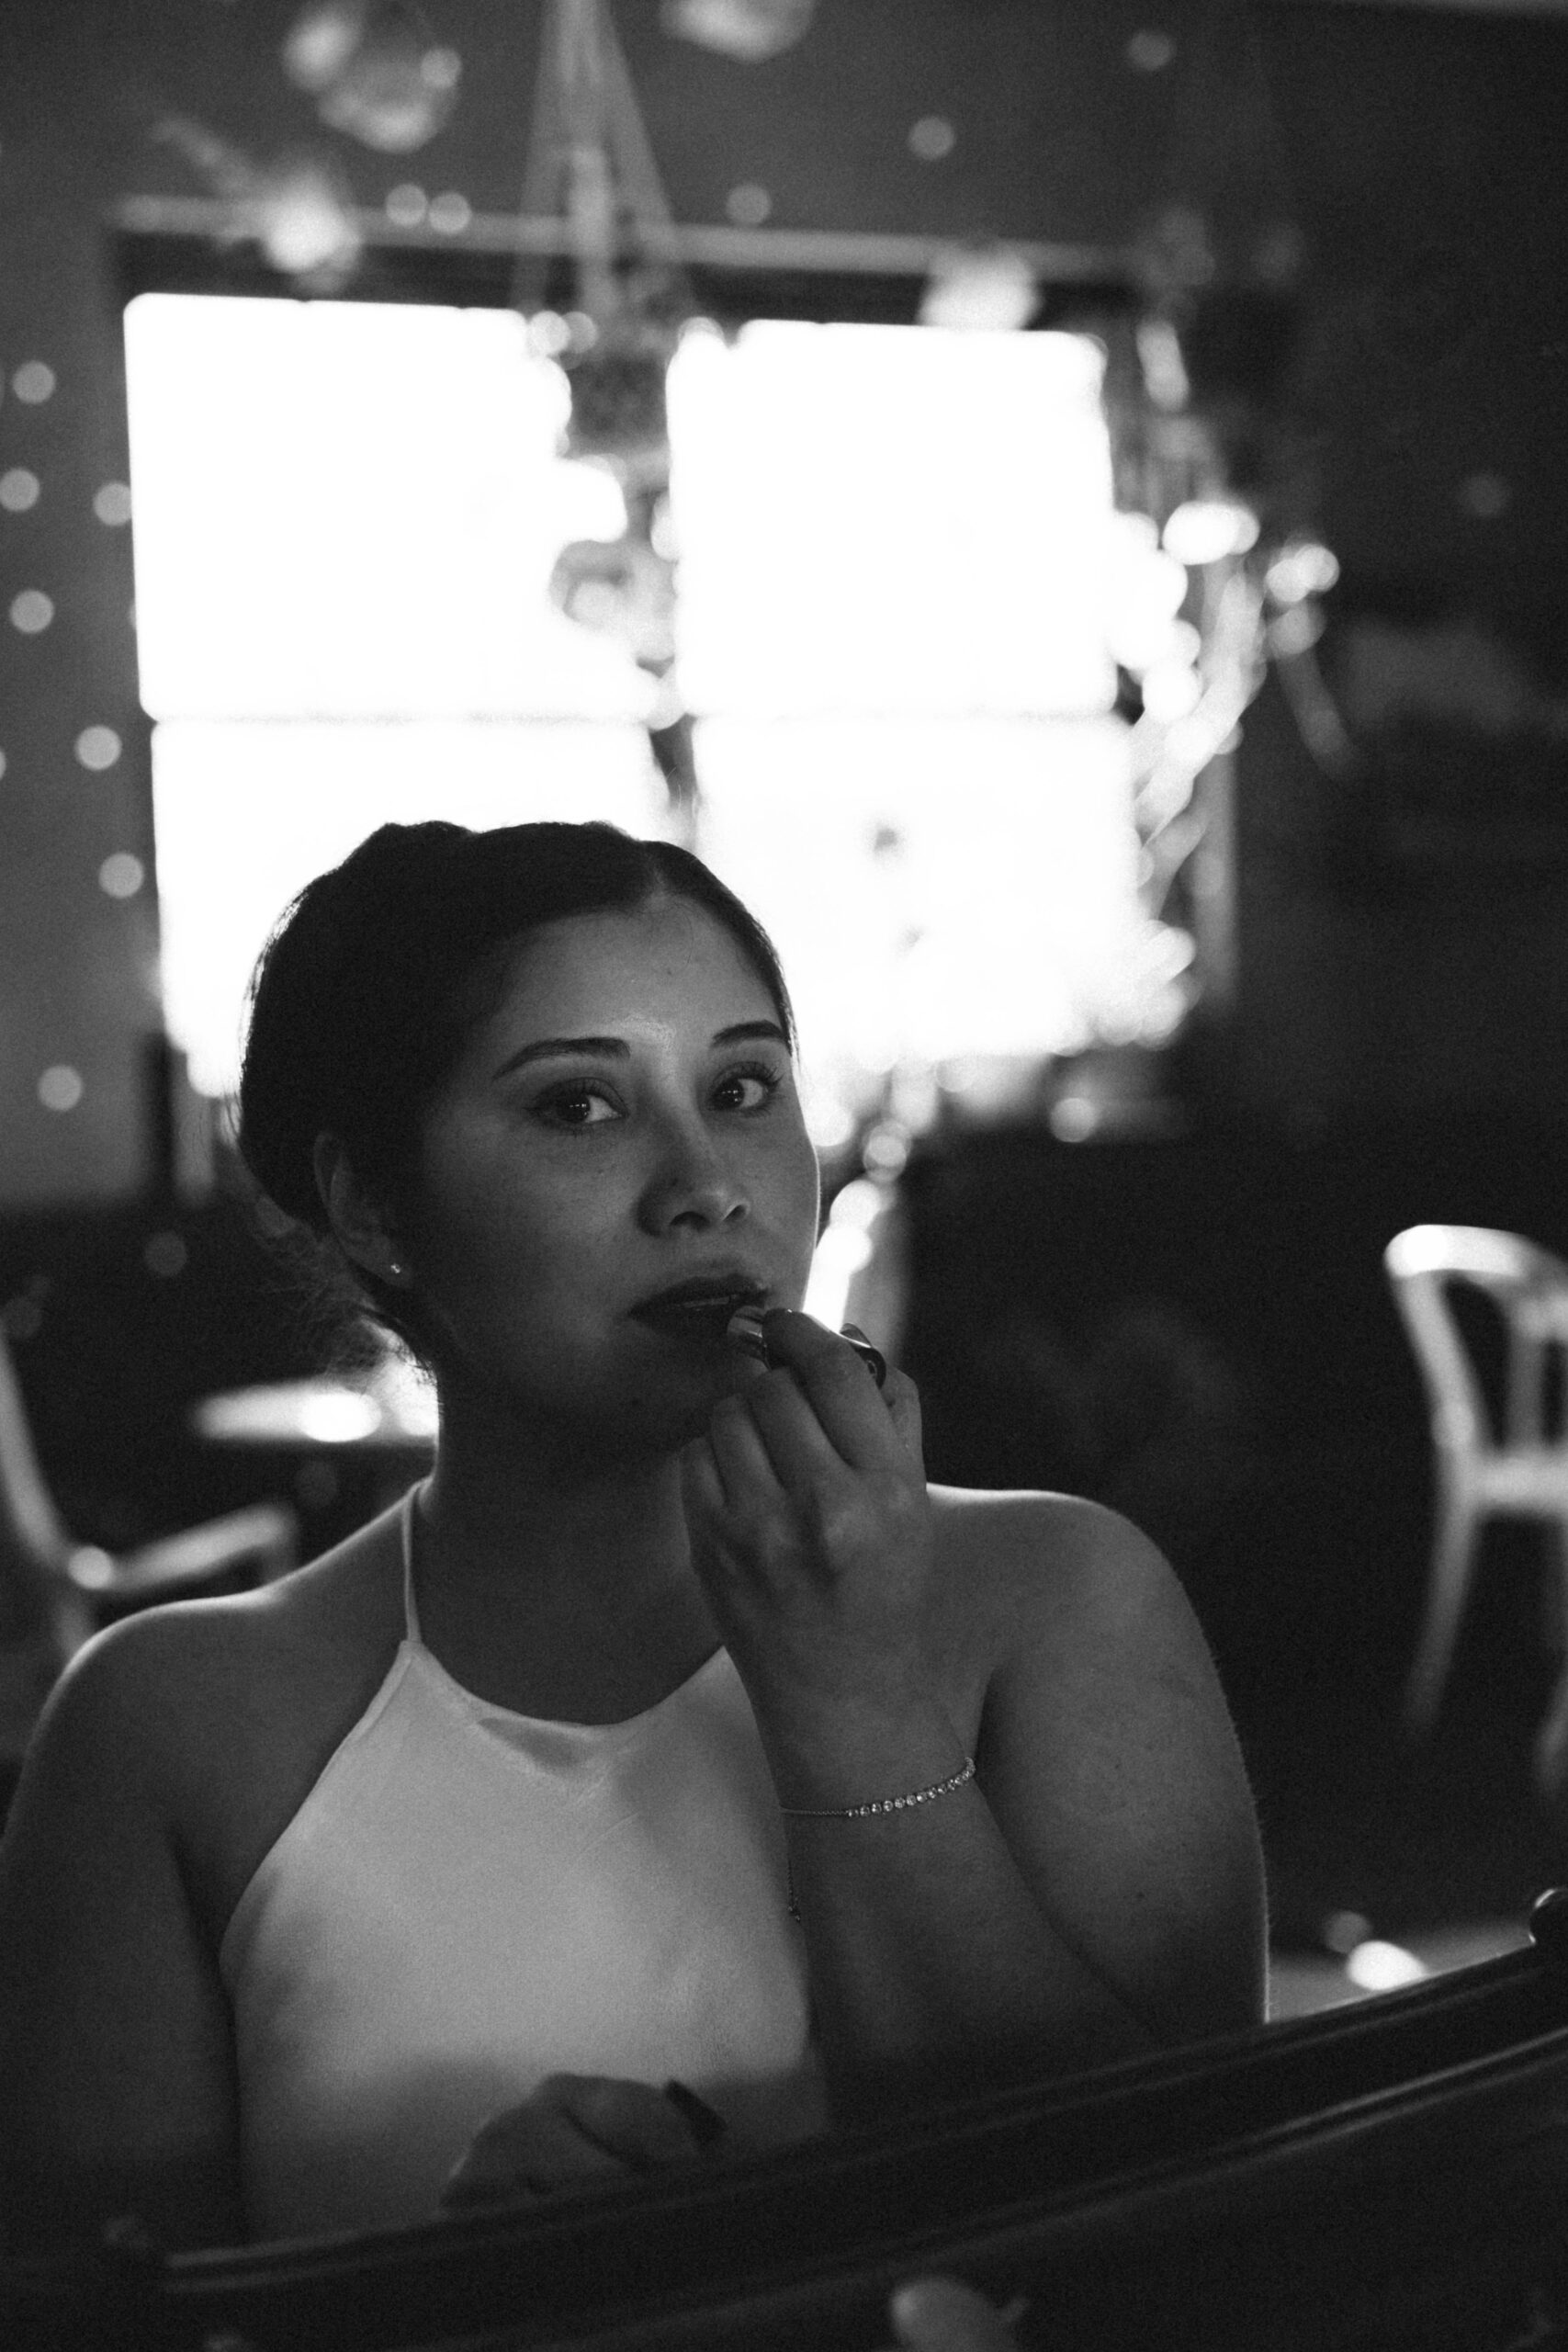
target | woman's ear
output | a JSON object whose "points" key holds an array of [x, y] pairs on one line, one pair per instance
{"points": [[357, 1221]]}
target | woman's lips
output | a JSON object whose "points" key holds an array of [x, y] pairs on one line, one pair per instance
{"points": [[703, 1318]]}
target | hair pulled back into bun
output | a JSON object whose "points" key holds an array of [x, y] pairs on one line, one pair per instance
{"points": [[366, 990]]}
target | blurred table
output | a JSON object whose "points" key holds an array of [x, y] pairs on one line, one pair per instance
{"points": [[387, 1416]]}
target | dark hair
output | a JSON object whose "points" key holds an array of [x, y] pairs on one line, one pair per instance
{"points": [[374, 974]]}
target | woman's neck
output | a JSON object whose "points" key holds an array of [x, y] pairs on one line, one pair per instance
{"points": [[564, 1592]]}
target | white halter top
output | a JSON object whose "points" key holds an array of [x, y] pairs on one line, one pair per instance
{"points": [[468, 1900]]}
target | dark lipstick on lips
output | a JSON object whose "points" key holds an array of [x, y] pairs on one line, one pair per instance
{"points": [[701, 1307], [745, 1331]]}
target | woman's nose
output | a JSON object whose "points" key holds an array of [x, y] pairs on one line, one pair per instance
{"points": [[694, 1183]]}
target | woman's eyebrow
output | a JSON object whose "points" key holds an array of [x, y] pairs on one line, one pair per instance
{"points": [[606, 1048], [744, 1029], [618, 1049]]}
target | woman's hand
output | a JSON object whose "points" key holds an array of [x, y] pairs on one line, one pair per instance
{"points": [[810, 1526], [577, 2129], [944, 2315]]}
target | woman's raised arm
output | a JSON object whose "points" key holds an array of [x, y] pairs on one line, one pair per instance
{"points": [[1095, 1889], [116, 2066]]}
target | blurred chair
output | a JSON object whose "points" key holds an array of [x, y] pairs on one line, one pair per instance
{"points": [[1512, 1465], [55, 1592]]}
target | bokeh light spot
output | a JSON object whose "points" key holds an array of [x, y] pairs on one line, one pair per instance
{"points": [[1150, 52], [406, 204], [19, 489], [450, 213], [121, 874], [980, 287], [60, 1087], [338, 1416], [1206, 530], [98, 747], [1485, 495], [1378, 1967], [31, 611], [1303, 568], [111, 502], [749, 205], [1343, 1930], [1074, 1118], [33, 383], [165, 1255], [932, 139]]}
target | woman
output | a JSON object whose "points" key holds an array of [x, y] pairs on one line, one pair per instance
{"points": [[417, 1876]]}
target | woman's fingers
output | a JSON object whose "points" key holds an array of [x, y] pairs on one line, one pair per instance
{"points": [[845, 1403], [810, 1521], [574, 2129], [702, 1489], [737, 1443], [529, 2152], [944, 2315], [902, 1399], [638, 2122], [798, 1451]]}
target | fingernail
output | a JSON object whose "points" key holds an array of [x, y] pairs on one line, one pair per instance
{"points": [[707, 2125], [871, 1357], [942, 2311]]}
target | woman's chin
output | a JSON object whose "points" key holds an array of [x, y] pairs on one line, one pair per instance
{"points": [[644, 1421], [644, 1409], [681, 1411], [683, 1415]]}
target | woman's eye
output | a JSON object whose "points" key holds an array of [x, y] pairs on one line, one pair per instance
{"points": [[747, 1089], [575, 1106]]}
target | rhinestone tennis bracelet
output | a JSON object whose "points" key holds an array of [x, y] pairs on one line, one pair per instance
{"points": [[880, 1804]]}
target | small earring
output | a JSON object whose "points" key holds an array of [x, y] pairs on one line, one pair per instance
{"points": [[395, 1268]]}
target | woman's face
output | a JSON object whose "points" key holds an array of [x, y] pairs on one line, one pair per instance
{"points": [[618, 1158]]}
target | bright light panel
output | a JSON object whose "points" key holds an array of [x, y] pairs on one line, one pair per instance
{"points": [[244, 815], [899, 553], [893, 519], [351, 509], [897, 557], [936, 890]]}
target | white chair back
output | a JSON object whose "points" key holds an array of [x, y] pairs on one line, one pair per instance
{"points": [[1529, 1286], [1513, 1461]]}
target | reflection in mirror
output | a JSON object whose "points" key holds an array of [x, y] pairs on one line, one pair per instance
{"points": [[841, 1796], [812, 1793], [844, 1794], [791, 1724]]}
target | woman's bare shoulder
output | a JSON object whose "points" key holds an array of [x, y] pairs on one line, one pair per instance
{"points": [[1029, 1560], [1107, 1750], [214, 1717], [1028, 1514], [176, 1665]]}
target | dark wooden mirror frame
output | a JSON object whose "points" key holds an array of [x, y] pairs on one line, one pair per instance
{"points": [[1390, 2174]]}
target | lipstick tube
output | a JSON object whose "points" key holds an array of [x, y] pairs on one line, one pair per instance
{"points": [[745, 1331]]}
